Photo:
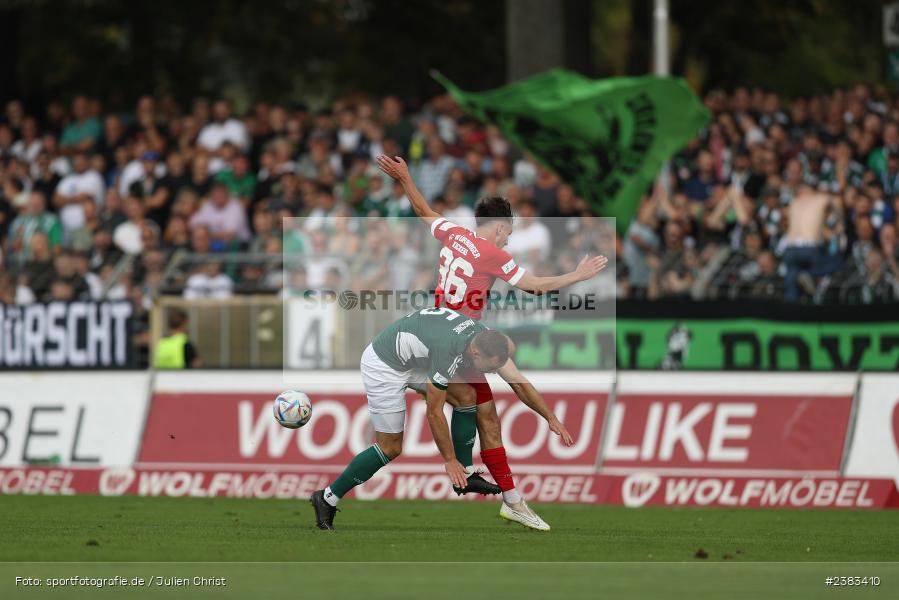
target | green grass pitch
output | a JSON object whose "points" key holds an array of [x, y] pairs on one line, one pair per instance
{"points": [[592, 551]]}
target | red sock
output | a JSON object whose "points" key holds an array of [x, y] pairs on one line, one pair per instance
{"points": [[498, 465]]}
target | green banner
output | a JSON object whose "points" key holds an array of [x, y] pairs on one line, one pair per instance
{"points": [[726, 344], [607, 138]]}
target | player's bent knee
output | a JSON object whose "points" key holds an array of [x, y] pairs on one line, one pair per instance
{"points": [[461, 394], [391, 447], [392, 451]]}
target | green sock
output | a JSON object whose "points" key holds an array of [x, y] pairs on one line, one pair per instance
{"points": [[361, 468], [464, 427]]}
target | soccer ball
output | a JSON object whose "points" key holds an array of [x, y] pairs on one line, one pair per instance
{"points": [[292, 409]]}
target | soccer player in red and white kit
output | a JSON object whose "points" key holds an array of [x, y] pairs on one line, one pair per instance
{"points": [[469, 264]]}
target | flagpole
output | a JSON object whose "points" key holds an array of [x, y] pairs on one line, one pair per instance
{"points": [[660, 63], [660, 38]]}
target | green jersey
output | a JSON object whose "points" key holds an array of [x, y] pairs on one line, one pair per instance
{"points": [[432, 339]]}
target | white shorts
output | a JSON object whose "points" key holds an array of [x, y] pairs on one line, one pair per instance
{"points": [[386, 391]]}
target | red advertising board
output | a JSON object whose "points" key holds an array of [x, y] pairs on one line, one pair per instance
{"points": [[771, 432], [665, 440], [650, 489], [637, 489], [237, 429]]}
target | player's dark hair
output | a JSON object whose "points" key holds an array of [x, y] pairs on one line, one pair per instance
{"points": [[177, 318], [493, 344], [492, 208]]}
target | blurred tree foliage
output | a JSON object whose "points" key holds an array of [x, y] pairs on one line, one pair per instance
{"points": [[793, 46], [313, 49], [246, 49]]}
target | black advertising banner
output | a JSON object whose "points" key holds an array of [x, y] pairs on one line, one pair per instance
{"points": [[62, 335]]}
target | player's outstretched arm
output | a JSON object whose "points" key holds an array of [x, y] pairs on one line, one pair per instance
{"points": [[587, 268], [398, 169], [528, 394], [440, 430]]}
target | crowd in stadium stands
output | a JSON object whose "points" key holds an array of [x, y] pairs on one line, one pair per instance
{"points": [[83, 187]]}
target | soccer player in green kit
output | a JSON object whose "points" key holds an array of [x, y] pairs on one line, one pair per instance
{"points": [[421, 351]]}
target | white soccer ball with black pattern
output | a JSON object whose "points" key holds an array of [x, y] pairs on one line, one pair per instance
{"points": [[292, 409]]}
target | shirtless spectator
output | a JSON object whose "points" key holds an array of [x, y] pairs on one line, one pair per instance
{"points": [[802, 246]]}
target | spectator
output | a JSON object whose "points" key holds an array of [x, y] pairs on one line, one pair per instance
{"points": [[842, 170], [673, 275], [641, 244], [112, 214], [432, 173], [343, 239], [223, 129], [84, 185], [177, 234], [128, 236], [33, 218], [563, 219], [200, 179], [864, 242], [371, 271], [766, 284], [877, 159], [318, 259], [802, 249], [94, 285], [103, 251], [890, 178], [15, 196], [397, 204], [404, 259], [224, 217], [44, 178], [873, 284], [312, 163], [39, 269], [112, 139], [530, 240], [82, 239], [457, 212], [152, 190], [240, 182], [376, 197], [12, 292], [66, 271], [702, 183], [176, 177], [349, 136], [396, 126], [208, 281], [28, 146], [84, 130]]}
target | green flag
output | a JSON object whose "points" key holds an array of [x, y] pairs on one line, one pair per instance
{"points": [[607, 138]]}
